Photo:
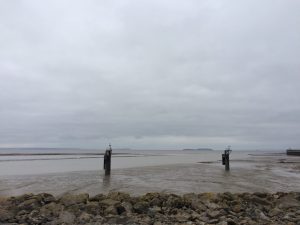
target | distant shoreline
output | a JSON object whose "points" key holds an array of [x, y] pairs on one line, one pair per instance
{"points": [[197, 149], [54, 154]]}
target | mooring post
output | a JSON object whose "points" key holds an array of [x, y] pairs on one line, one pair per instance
{"points": [[107, 160], [225, 158]]}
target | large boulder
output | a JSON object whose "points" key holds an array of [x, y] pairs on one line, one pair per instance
{"points": [[288, 201], [46, 198], [174, 201], [97, 198], [6, 215], [30, 204], [141, 207], [66, 217], [92, 208], [85, 218], [51, 210], [109, 202], [118, 196], [68, 199]]}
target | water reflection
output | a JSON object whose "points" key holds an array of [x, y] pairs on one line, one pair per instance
{"points": [[106, 182]]}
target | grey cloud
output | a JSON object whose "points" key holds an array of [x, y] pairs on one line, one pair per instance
{"points": [[150, 74]]}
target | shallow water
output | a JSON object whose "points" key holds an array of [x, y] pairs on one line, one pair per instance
{"points": [[44, 164], [138, 172]]}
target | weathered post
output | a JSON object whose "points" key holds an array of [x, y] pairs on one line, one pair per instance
{"points": [[225, 158], [107, 160]]}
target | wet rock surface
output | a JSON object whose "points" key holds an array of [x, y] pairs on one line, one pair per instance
{"points": [[153, 209]]}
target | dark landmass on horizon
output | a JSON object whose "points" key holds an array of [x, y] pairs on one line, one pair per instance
{"points": [[197, 149]]}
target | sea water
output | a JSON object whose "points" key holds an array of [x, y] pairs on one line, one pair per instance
{"points": [[43, 161]]}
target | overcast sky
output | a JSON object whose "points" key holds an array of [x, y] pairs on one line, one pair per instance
{"points": [[150, 74]]}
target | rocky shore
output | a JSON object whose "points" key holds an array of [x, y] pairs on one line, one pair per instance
{"points": [[153, 208]]}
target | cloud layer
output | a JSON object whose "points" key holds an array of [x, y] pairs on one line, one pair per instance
{"points": [[150, 74]]}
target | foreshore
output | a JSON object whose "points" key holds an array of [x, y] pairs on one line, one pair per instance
{"points": [[153, 208]]}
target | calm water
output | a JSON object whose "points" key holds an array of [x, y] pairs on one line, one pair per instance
{"points": [[139, 172], [91, 160]]}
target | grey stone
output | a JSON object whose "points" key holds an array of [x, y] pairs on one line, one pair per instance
{"points": [[213, 214], [66, 217], [127, 206], [118, 196], [69, 199], [51, 209], [85, 217], [29, 204], [287, 202], [5, 215], [109, 202], [141, 207]]}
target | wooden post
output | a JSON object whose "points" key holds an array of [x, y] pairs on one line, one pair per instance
{"points": [[107, 160], [225, 158]]}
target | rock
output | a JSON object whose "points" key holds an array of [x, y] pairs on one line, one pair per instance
{"points": [[207, 197], [6, 215], [156, 209], [182, 216], [158, 223], [85, 217], [119, 196], [231, 222], [29, 204], [50, 210], [156, 202], [21, 198], [237, 208], [92, 208], [113, 207], [262, 216], [153, 208], [193, 202], [3, 201], [287, 202], [66, 217], [46, 198], [222, 223], [120, 209], [189, 197], [213, 221], [99, 219], [76, 209], [141, 207], [260, 194], [212, 205], [111, 210], [229, 196], [213, 214], [127, 206], [204, 218], [69, 199], [274, 212], [97, 198], [109, 202], [36, 218], [153, 211], [174, 202], [260, 201]]}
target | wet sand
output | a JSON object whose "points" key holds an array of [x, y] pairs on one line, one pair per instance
{"points": [[254, 174]]}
